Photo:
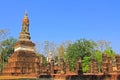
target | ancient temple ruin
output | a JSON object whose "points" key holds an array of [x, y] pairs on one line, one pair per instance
{"points": [[24, 60]]}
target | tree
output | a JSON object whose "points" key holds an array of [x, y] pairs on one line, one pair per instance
{"points": [[85, 64], [3, 34], [7, 49], [8, 45], [110, 53], [97, 55], [80, 48], [65, 44], [61, 51], [61, 54], [102, 45], [37, 47], [43, 48], [49, 47]]}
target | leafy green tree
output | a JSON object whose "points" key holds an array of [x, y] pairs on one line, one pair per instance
{"points": [[85, 63], [110, 53], [3, 35], [102, 46], [80, 48], [7, 49], [97, 55], [8, 46]]}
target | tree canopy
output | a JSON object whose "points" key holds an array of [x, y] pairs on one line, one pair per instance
{"points": [[80, 48], [87, 50], [7, 48]]}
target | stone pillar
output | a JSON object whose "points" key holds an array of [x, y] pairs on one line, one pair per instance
{"points": [[104, 63], [52, 66], [118, 63], [67, 66], [110, 69], [48, 68], [41, 64], [79, 66], [114, 67], [89, 68], [94, 66], [62, 65]]}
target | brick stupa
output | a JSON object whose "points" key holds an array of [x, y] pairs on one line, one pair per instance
{"points": [[24, 60]]}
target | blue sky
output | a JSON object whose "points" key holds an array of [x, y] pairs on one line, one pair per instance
{"points": [[61, 20]]}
